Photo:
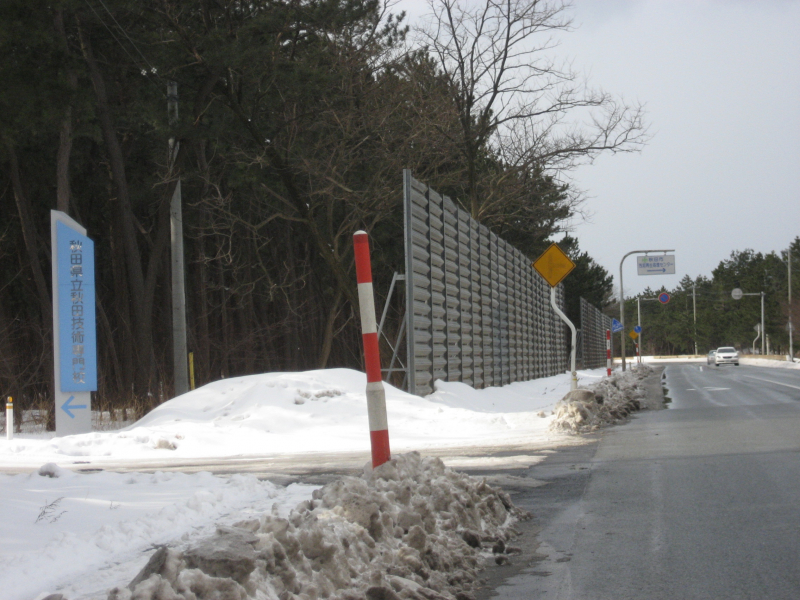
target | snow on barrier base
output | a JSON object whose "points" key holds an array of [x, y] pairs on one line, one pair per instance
{"points": [[376, 394]]}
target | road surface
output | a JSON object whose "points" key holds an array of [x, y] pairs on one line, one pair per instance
{"points": [[700, 500]]}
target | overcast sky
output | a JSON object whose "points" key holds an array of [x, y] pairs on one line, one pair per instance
{"points": [[721, 81]]}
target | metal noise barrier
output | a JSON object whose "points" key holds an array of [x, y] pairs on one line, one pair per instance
{"points": [[476, 310], [593, 339]]}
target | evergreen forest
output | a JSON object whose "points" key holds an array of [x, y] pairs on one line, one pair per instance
{"points": [[286, 124], [703, 311]]}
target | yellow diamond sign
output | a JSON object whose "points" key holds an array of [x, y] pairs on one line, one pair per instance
{"points": [[553, 265], [633, 335]]}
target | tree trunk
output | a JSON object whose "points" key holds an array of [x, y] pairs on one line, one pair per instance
{"points": [[141, 303], [330, 324], [45, 303], [63, 192]]}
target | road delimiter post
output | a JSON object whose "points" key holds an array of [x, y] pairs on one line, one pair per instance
{"points": [[10, 418], [376, 394], [608, 352]]}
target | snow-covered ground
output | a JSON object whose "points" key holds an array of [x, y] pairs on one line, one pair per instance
{"points": [[81, 532], [70, 526], [279, 414]]}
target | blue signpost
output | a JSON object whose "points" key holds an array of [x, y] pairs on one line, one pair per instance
{"points": [[616, 326], [74, 328]]}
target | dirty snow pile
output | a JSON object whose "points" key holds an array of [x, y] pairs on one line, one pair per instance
{"points": [[411, 528], [608, 401]]}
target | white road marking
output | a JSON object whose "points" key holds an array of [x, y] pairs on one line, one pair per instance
{"points": [[716, 389], [775, 382]]}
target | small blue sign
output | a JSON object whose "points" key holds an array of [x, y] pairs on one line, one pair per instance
{"points": [[616, 326], [638, 329], [76, 312]]}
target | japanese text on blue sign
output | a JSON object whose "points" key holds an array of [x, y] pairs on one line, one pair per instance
{"points": [[77, 333]]}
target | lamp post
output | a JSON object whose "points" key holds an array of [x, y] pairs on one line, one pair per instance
{"points": [[622, 297], [694, 316], [737, 294]]}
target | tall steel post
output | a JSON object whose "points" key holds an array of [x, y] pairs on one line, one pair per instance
{"points": [[622, 298], [639, 323], [179, 346], [694, 314], [791, 327], [763, 331]]}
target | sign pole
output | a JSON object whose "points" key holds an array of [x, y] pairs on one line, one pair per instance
{"points": [[763, 331], [622, 297], [573, 385], [553, 265], [639, 323], [608, 352]]}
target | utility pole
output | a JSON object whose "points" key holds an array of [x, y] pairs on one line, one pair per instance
{"points": [[179, 348], [791, 327], [763, 332], [694, 313]]}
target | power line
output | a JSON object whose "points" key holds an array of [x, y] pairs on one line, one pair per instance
{"points": [[147, 72]]}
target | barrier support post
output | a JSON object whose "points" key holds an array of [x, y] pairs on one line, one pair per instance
{"points": [[10, 418], [376, 394]]}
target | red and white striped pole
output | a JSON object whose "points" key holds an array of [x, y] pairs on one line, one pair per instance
{"points": [[608, 352], [376, 394]]}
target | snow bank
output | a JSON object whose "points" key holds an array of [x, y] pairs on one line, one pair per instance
{"points": [[411, 529], [608, 401], [766, 362], [297, 413]]}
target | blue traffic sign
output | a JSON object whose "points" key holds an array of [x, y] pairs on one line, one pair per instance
{"points": [[616, 326], [638, 329], [76, 310], [664, 298]]}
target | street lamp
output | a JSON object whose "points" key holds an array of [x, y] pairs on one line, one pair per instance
{"points": [[737, 294], [622, 296]]}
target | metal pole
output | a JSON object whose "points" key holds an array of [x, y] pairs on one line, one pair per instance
{"points": [[622, 298], [639, 323], [763, 331], [179, 346], [574, 381], [622, 312], [694, 313], [791, 327]]}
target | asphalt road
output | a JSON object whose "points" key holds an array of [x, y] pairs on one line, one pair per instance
{"points": [[700, 500]]}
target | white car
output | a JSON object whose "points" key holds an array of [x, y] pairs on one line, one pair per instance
{"points": [[726, 356]]}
